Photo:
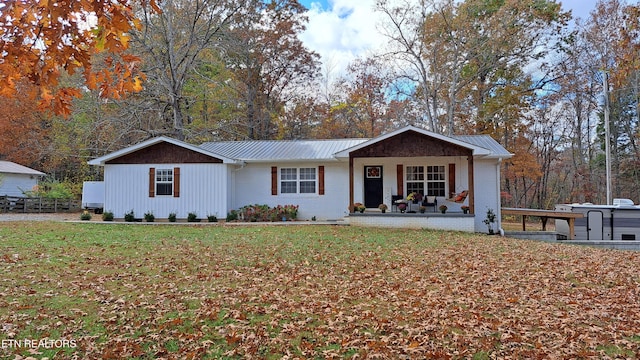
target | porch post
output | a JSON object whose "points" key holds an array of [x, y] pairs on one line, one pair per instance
{"points": [[471, 194], [350, 183]]}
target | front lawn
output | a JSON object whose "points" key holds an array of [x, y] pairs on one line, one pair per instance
{"points": [[116, 291]]}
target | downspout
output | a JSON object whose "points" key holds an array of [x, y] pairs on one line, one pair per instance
{"points": [[499, 210]]}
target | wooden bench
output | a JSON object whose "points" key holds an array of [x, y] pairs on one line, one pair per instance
{"points": [[545, 215]]}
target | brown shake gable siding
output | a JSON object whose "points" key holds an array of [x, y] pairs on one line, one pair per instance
{"points": [[164, 153]]}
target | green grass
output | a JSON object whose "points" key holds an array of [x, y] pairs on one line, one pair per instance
{"points": [[142, 292]]}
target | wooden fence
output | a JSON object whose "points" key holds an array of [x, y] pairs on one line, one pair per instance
{"points": [[13, 204]]}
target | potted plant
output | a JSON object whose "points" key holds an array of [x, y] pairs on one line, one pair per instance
{"points": [[383, 208], [443, 208], [359, 207], [129, 217], [402, 207], [489, 220], [86, 215], [422, 209], [414, 197], [465, 209], [149, 217], [107, 216], [192, 217], [232, 216]]}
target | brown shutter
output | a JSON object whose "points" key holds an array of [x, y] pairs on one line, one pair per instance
{"points": [[176, 182], [400, 179], [452, 178], [321, 180], [274, 180], [152, 182]]}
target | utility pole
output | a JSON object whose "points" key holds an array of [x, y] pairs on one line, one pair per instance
{"points": [[607, 136]]}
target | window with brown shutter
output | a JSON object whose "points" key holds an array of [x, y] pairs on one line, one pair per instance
{"points": [[274, 180], [320, 180], [164, 182], [452, 178], [400, 179], [152, 182], [176, 182]]}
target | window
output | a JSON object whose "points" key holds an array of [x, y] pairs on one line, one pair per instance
{"points": [[307, 180], [435, 181], [289, 181], [294, 180], [415, 179], [164, 182]]}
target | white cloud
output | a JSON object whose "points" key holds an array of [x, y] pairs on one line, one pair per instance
{"points": [[343, 32]]}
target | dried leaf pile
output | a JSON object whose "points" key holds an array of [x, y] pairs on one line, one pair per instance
{"points": [[278, 292]]}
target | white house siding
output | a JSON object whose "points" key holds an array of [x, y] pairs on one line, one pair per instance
{"points": [[487, 193], [15, 184], [203, 190], [253, 186]]}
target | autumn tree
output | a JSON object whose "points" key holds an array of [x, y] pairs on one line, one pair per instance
{"points": [[24, 129], [576, 96], [172, 43], [411, 55], [269, 63], [613, 37], [303, 118], [506, 36], [41, 40]]}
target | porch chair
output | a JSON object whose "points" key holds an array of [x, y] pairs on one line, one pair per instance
{"points": [[430, 201], [394, 204], [461, 197]]}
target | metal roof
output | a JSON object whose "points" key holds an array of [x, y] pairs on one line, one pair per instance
{"points": [[13, 168], [486, 142], [307, 150], [281, 150]]}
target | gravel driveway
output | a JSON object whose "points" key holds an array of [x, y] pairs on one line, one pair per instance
{"points": [[39, 217]]}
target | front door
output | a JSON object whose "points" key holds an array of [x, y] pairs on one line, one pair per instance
{"points": [[372, 186]]}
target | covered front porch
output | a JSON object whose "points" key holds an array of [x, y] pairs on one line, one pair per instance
{"points": [[439, 170]]}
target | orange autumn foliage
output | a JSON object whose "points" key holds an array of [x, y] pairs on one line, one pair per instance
{"points": [[23, 129], [41, 39]]}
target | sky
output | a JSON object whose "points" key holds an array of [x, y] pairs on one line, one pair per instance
{"points": [[342, 30]]}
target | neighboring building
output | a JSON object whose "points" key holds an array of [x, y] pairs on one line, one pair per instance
{"points": [[323, 177], [15, 179]]}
